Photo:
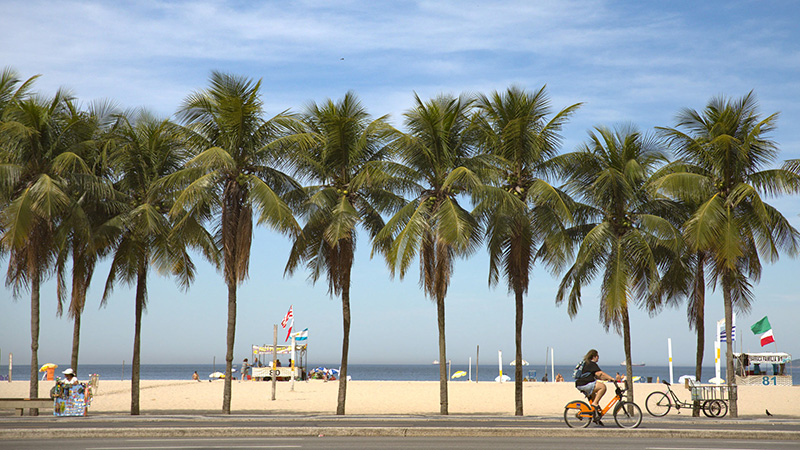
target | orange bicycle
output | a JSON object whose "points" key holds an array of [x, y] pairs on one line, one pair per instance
{"points": [[578, 413]]}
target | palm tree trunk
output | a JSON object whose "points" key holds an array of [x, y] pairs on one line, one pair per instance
{"points": [[626, 338], [700, 306], [76, 341], [518, 354], [226, 394], [141, 290], [340, 403], [34, 386], [442, 357], [700, 328], [729, 370]]}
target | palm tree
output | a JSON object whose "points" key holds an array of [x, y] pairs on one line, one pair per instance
{"points": [[343, 152], [12, 90], [147, 149], [81, 236], [233, 174], [35, 169], [685, 277], [726, 147], [438, 153], [622, 233], [526, 208]]}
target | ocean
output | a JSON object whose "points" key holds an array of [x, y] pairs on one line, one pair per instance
{"points": [[376, 372]]}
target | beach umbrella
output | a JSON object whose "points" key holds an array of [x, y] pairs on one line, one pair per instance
{"points": [[504, 378], [716, 380], [47, 366], [683, 378], [217, 375], [459, 374], [514, 363]]}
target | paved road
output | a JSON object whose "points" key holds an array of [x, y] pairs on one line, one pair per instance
{"points": [[389, 443], [218, 425]]}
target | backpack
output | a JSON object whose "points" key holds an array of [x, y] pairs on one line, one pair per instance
{"points": [[578, 372]]}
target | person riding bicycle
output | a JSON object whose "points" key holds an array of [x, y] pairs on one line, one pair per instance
{"points": [[590, 383]]}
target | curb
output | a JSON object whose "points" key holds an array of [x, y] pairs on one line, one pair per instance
{"points": [[172, 432]]}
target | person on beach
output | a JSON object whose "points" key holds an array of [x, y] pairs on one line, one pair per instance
{"points": [[69, 374], [245, 369], [559, 377], [195, 376], [591, 380]]}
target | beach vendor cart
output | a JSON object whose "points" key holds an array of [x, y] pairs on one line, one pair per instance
{"points": [[71, 399], [763, 369], [263, 369]]}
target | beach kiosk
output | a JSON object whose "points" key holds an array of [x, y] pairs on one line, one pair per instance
{"points": [[263, 370], [763, 369]]}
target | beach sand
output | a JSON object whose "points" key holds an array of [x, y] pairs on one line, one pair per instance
{"points": [[381, 397]]}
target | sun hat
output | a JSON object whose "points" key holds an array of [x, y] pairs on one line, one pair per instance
{"points": [[68, 372]]}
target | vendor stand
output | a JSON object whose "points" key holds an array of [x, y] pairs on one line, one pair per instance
{"points": [[71, 399], [763, 369], [262, 364]]}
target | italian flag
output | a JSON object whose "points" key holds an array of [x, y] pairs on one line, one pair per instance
{"points": [[763, 328]]}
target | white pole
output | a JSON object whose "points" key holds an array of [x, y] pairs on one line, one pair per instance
{"points": [[500, 363], [669, 345], [291, 376], [274, 371], [717, 346], [552, 366], [469, 376]]}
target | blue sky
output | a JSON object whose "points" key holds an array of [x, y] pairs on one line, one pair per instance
{"points": [[628, 61]]}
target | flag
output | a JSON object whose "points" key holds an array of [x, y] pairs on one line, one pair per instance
{"points": [[763, 328], [722, 332], [289, 333], [289, 316], [723, 335], [301, 335]]}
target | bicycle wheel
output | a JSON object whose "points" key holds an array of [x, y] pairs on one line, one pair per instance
{"points": [[628, 415], [715, 408], [575, 414], [723, 408], [658, 404]]}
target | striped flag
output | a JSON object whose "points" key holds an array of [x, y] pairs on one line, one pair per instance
{"points": [[289, 316], [723, 335], [301, 335], [763, 328]]}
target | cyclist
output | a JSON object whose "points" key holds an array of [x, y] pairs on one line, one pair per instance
{"points": [[591, 381]]}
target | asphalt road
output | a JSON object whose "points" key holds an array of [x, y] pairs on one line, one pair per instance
{"points": [[295, 422], [208, 431], [388, 443]]}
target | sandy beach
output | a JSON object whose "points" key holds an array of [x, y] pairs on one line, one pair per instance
{"points": [[381, 397]]}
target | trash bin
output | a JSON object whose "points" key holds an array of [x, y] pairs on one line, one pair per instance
{"points": [[649, 379]]}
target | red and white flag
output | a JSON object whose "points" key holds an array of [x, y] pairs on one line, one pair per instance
{"points": [[289, 333], [289, 316]]}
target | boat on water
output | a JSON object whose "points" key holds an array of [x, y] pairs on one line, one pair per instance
{"points": [[632, 364]]}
